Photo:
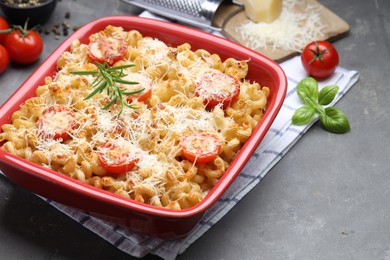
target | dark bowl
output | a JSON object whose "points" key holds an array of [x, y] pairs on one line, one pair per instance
{"points": [[37, 15]]}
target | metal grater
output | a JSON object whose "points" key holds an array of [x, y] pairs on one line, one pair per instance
{"points": [[198, 13]]}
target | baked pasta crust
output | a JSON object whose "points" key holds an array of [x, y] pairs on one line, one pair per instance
{"points": [[162, 176]]}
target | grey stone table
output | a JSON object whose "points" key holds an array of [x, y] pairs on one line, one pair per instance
{"points": [[328, 198]]}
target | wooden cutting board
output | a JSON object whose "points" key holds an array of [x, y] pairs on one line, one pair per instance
{"points": [[230, 16]]}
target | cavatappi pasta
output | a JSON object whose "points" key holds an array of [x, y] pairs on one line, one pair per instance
{"points": [[94, 141]]}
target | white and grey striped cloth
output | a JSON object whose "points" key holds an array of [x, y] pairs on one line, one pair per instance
{"points": [[279, 139]]}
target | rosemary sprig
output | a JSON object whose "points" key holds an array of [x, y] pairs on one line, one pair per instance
{"points": [[108, 78]]}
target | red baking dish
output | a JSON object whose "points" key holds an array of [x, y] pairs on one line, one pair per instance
{"points": [[139, 217]]}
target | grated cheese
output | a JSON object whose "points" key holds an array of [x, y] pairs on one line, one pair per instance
{"points": [[291, 31]]}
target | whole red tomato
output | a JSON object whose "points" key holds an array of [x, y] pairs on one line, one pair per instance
{"points": [[3, 26], [320, 59], [24, 46], [4, 59]]}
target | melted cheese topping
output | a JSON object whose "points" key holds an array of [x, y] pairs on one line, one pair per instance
{"points": [[155, 50], [53, 121], [214, 84], [200, 145], [142, 82], [120, 151], [106, 47]]}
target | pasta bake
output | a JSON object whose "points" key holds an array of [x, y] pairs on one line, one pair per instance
{"points": [[165, 137]]}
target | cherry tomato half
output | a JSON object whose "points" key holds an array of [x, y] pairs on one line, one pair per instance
{"points": [[4, 59], [117, 157], [107, 49], [24, 46], [320, 59], [3, 26], [217, 88], [57, 122], [142, 84], [200, 147]]}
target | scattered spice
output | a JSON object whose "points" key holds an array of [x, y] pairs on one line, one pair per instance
{"points": [[61, 28], [56, 31]]}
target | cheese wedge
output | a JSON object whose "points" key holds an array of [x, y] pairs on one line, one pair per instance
{"points": [[262, 10]]}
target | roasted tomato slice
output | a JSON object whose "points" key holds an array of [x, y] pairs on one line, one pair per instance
{"points": [[217, 88], [57, 122], [143, 87], [107, 49], [200, 147], [118, 157]]}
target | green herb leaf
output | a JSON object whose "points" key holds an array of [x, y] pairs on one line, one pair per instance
{"points": [[92, 72], [303, 115], [119, 80], [327, 94], [107, 78], [97, 89], [332, 119], [335, 121], [307, 90], [319, 109], [116, 68]]}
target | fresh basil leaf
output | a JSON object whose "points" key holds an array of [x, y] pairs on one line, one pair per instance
{"points": [[320, 110], [327, 94], [307, 90], [303, 115], [335, 121]]}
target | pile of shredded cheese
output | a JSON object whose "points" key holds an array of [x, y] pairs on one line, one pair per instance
{"points": [[291, 31]]}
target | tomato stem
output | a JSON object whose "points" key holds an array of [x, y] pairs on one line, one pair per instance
{"points": [[318, 54], [6, 31], [24, 31]]}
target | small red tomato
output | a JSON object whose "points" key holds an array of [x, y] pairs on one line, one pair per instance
{"points": [[3, 27], [57, 122], [320, 59], [141, 87], [200, 147], [217, 88], [107, 49], [118, 157], [24, 46], [4, 59]]}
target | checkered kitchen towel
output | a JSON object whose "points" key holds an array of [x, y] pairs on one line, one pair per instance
{"points": [[279, 139]]}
